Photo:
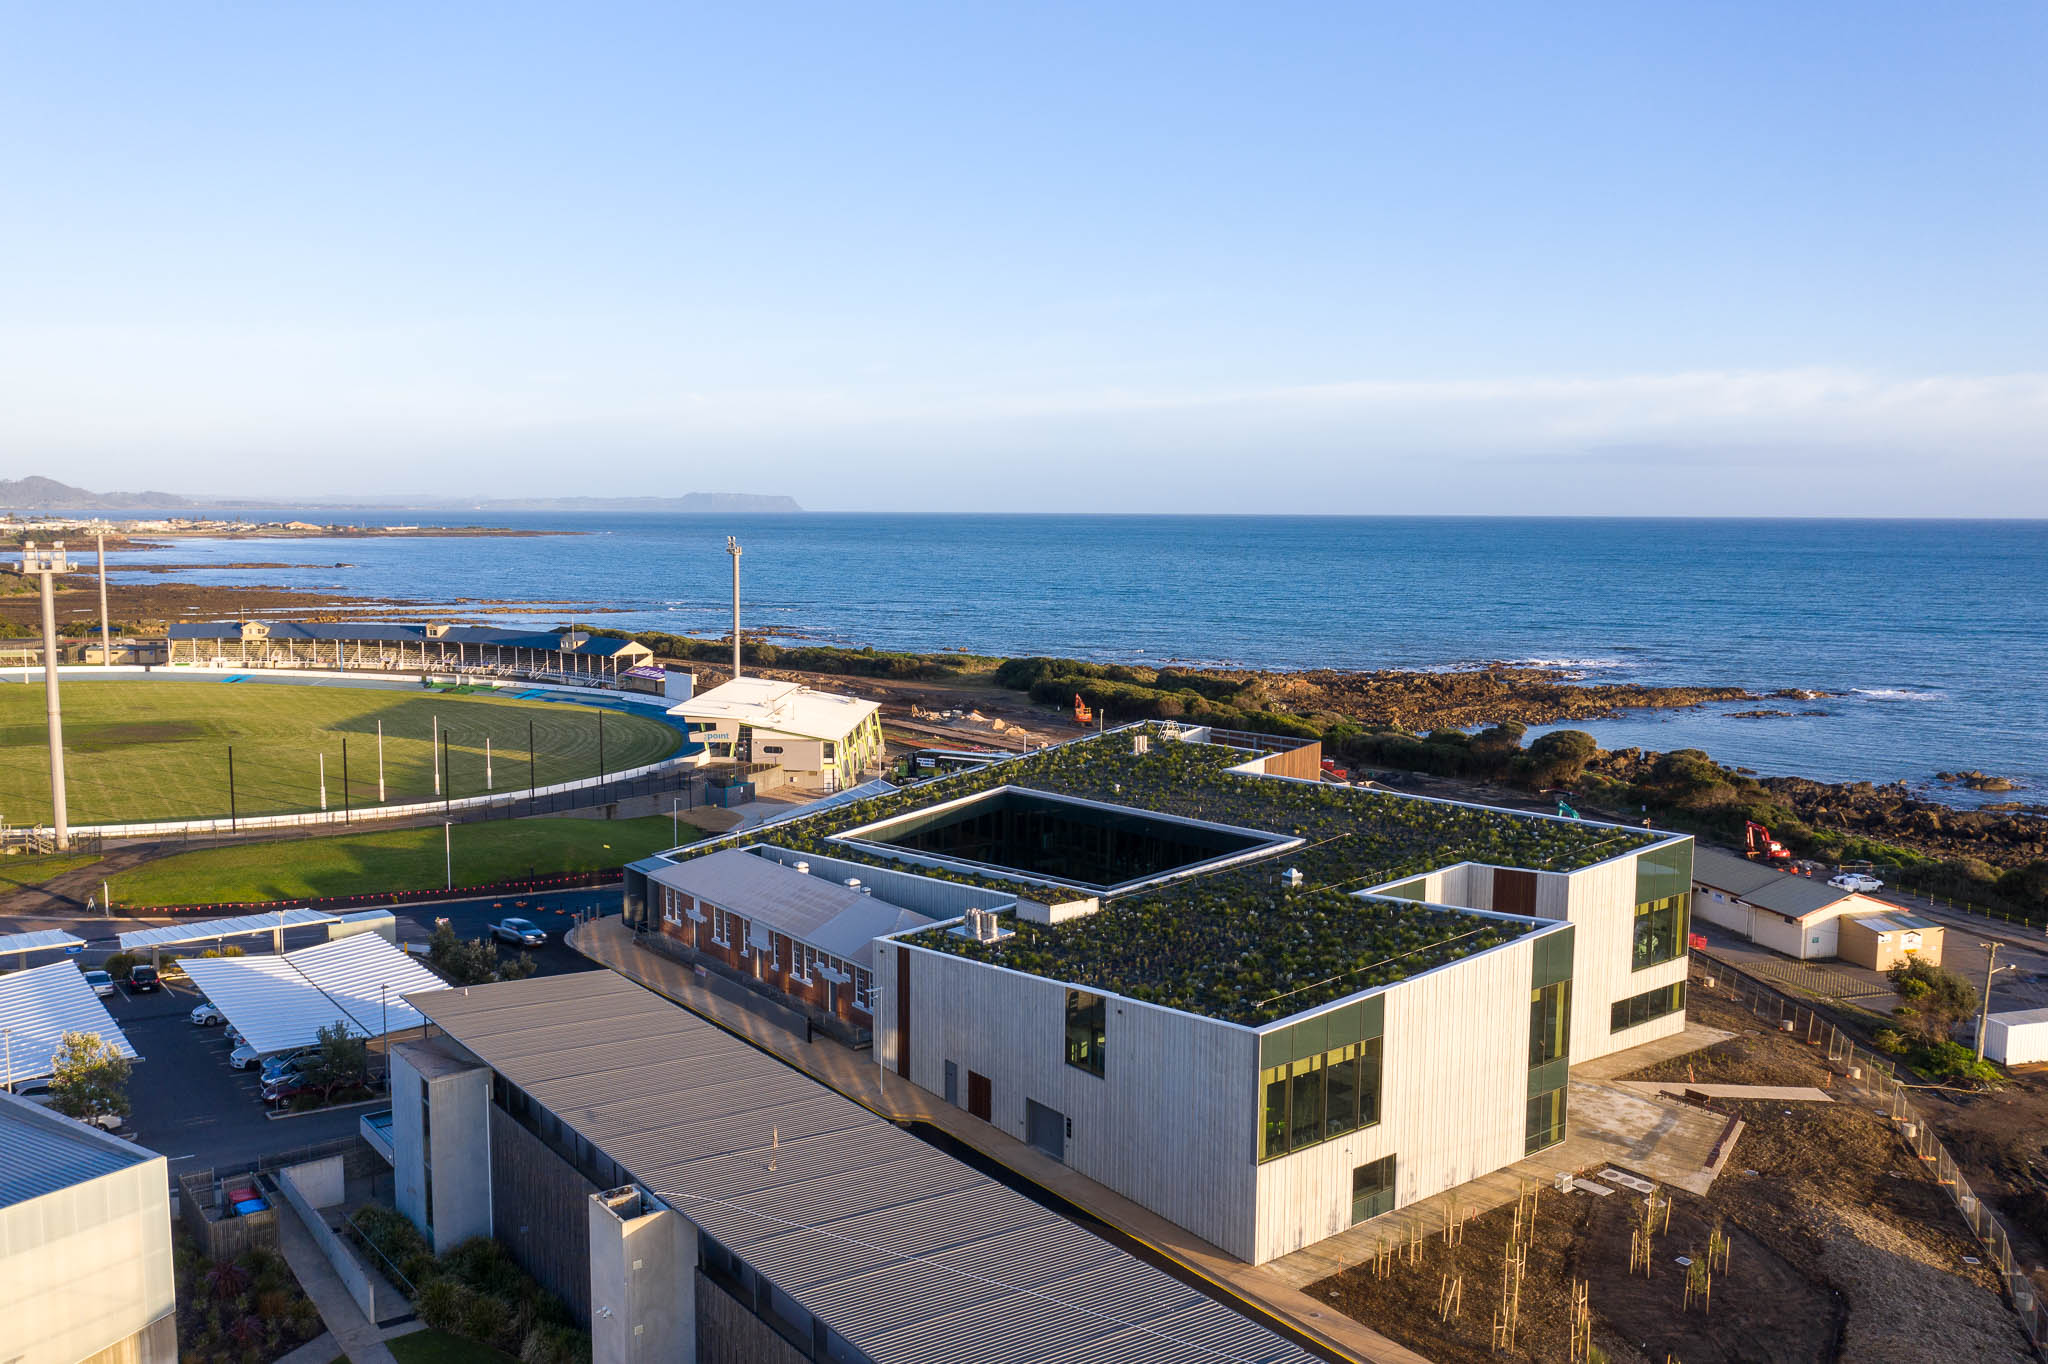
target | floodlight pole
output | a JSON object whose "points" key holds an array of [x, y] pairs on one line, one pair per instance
{"points": [[323, 781], [380, 762], [448, 850], [344, 779], [431, 746], [441, 779], [600, 748], [487, 762], [106, 645], [732, 547], [530, 797], [44, 565], [231, 788]]}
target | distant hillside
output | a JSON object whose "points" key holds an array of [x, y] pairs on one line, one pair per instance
{"points": [[688, 502], [36, 493]]}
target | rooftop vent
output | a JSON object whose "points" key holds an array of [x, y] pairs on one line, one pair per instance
{"points": [[803, 869], [983, 925], [1291, 878], [1141, 744], [853, 883]]}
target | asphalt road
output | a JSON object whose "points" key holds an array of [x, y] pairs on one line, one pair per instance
{"points": [[189, 1105]]}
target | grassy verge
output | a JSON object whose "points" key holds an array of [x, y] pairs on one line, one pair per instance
{"points": [[394, 860], [17, 872], [438, 1347]]}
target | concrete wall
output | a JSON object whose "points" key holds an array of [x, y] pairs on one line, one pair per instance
{"points": [[86, 1270], [362, 1285], [540, 1212], [643, 1261], [459, 1159]]}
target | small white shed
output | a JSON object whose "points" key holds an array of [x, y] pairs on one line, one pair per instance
{"points": [[2017, 1039]]}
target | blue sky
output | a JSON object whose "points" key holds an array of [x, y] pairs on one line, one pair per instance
{"points": [[1128, 257]]}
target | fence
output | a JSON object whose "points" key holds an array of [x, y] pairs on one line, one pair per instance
{"points": [[1874, 1081]]}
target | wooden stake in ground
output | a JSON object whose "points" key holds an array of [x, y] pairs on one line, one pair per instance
{"points": [[1582, 1323], [1450, 1296], [1718, 1247], [1699, 1285]]}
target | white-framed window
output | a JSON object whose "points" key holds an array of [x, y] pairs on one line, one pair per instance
{"points": [[863, 990], [670, 911], [721, 926]]}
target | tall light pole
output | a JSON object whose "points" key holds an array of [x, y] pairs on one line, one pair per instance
{"points": [[380, 762], [44, 565], [732, 547], [106, 647], [1984, 1014]]}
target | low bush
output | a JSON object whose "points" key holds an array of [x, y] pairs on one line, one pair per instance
{"points": [[475, 1291], [120, 964], [1948, 1060]]}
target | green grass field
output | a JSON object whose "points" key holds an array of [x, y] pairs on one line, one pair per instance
{"points": [[395, 860], [152, 749]]}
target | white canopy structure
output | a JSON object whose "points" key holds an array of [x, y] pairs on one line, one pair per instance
{"points": [[281, 1002], [40, 1005], [41, 940], [206, 930]]}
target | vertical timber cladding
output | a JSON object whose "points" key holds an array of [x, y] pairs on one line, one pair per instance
{"points": [[1305, 762], [1514, 892], [903, 1011]]}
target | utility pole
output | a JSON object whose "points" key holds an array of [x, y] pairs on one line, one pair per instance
{"points": [[44, 565], [732, 547], [1984, 1014], [106, 647]]}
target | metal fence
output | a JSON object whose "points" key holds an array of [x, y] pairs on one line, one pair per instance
{"points": [[1874, 1081]]}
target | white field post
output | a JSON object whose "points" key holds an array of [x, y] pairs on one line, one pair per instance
{"points": [[487, 762], [436, 748], [106, 899], [380, 762], [45, 565], [106, 648], [448, 851], [323, 781], [675, 824]]}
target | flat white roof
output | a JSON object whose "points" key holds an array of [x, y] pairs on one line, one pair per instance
{"points": [[40, 1005], [206, 930], [39, 940], [787, 707], [283, 1002]]}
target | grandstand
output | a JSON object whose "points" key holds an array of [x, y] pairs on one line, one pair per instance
{"points": [[379, 646]]}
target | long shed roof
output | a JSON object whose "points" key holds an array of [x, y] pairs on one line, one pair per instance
{"points": [[905, 1252], [206, 930], [42, 1152], [38, 1006], [37, 940], [1765, 887], [831, 917]]}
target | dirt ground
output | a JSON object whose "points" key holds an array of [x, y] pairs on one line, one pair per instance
{"points": [[1843, 1248]]}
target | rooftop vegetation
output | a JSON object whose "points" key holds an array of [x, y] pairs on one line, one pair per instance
{"points": [[1235, 943]]}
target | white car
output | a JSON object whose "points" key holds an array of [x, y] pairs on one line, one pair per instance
{"points": [[207, 1016], [1855, 881], [102, 983], [244, 1056]]}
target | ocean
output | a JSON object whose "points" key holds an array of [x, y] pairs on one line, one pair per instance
{"points": [[1932, 635]]}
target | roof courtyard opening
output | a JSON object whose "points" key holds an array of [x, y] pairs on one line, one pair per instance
{"points": [[1061, 839]]}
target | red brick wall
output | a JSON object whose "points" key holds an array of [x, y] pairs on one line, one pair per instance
{"points": [[773, 967]]}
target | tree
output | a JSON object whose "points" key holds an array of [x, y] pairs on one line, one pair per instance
{"points": [[339, 1060], [1558, 758], [1935, 999], [466, 961], [90, 1079]]}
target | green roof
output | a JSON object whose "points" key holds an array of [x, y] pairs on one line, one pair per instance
{"points": [[1234, 943]]}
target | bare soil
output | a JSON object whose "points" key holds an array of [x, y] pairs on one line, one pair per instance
{"points": [[1843, 1248]]}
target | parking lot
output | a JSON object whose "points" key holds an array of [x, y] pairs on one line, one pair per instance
{"points": [[188, 1104]]}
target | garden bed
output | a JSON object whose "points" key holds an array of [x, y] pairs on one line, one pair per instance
{"points": [[247, 1310]]}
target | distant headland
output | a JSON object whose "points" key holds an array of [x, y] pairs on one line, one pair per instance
{"points": [[38, 494]]}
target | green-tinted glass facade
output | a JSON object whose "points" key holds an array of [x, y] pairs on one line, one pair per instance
{"points": [[1660, 931], [1320, 1078], [1087, 1017], [1408, 890], [1550, 1038], [1664, 872], [1372, 1189], [1665, 999]]}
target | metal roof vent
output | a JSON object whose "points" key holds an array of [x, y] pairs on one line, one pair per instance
{"points": [[1291, 878], [853, 883], [1141, 744], [803, 869]]}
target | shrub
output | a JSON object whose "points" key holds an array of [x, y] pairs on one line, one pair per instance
{"points": [[1890, 1041], [120, 964], [1936, 998], [1948, 1060]]}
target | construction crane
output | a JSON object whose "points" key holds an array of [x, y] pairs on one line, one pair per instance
{"points": [[1760, 843]]}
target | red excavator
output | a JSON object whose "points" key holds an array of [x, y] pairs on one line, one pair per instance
{"points": [[1082, 714], [1762, 845]]}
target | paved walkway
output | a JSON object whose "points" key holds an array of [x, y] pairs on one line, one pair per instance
{"points": [[856, 1075], [349, 1332], [1679, 1088]]}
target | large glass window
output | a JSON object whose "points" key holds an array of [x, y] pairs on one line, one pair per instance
{"points": [[1661, 927], [1087, 1016], [1665, 999], [1546, 1120], [1332, 1089], [1372, 1189], [1550, 1023]]}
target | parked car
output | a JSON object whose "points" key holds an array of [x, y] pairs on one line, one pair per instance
{"points": [[102, 983], [207, 1016], [284, 1063], [1856, 881], [287, 1089], [519, 932], [244, 1056], [143, 980], [234, 1035]]}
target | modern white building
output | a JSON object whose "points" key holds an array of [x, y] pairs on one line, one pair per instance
{"points": [[1264, 1007], [85, 1244], [819, 738]]}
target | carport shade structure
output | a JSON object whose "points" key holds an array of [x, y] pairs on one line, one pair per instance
{"points": [[40, 940], [279, 1003], [153, 940], [37, 1007]]}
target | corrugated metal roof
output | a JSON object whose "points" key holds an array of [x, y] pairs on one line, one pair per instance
{"points": [[206, 930], [38, 1006], [1762, 886], [905, 1252], [283, 1002], [831, 917], [393, 632], [36, 941], [1895, 923], [42, 1152]]}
